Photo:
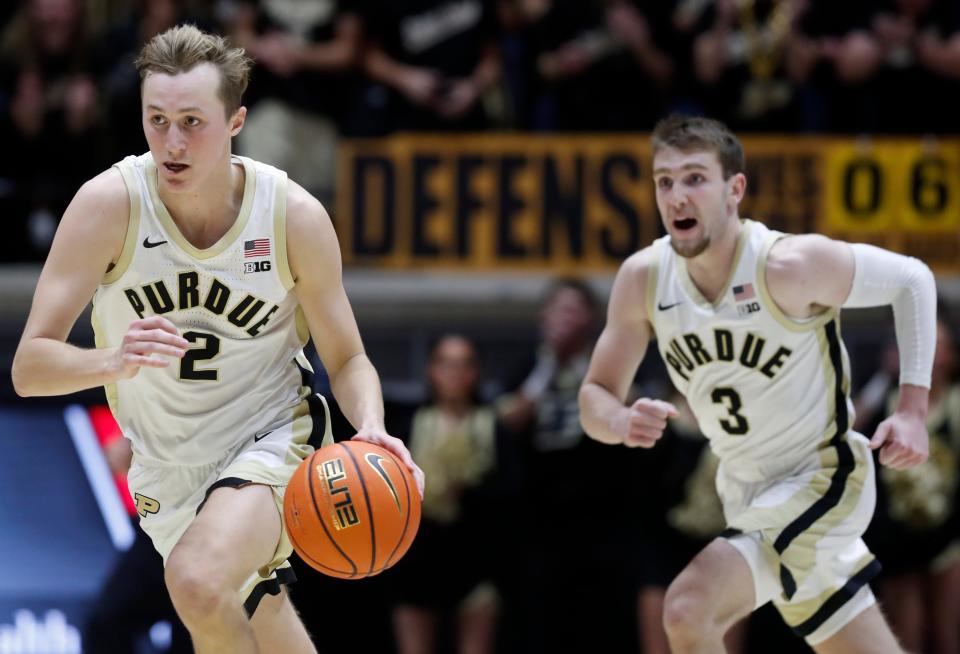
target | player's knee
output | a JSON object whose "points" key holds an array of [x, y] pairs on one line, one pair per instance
{"points": [[686, 617], [197, 594]]}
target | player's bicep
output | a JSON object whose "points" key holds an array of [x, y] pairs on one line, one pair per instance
{"points": [[809, 272], [90, 234], [623, 343]]}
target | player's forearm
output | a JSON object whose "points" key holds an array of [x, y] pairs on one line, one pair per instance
{"points": [[600, 414], [46, 366], [357, 389]]}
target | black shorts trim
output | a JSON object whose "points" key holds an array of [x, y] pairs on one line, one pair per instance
{"points": [[285, 576], [838, 599], [226, 482]]}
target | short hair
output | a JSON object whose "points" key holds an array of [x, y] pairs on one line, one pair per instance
{"points": [[181, 48], [691, 133]]}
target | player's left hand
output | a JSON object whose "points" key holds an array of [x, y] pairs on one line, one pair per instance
{"points": [[395, 446], [903, 441]]}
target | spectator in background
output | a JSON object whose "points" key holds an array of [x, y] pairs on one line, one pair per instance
{"points": [[436, 61], [680, 517], [832, 57], [51, 121], [448, 574], [917, 527], [306, 51], [918, 84], [595, 65], [578, 495], [739, 62]]}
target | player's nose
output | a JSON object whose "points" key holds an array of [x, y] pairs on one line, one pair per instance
{"points": [[677, 199], [175, 142]]}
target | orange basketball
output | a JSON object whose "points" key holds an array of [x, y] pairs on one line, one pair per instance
{"points": [[351, 510]]}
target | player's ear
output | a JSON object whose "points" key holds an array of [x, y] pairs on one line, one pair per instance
{"points": [[738, 187], [237, 120]]}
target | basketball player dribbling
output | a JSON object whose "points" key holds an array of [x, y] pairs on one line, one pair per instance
{"points": [[747, 322], [208, 274]]}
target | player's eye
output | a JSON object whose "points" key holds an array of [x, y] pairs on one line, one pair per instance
{"points": [[191, 121], [695, 178], [157, 120], [664, 182]]}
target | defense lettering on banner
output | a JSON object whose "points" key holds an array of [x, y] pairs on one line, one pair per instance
{"points": [[574, 204]]}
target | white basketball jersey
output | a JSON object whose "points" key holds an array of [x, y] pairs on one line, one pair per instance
{"points": [[767, 390], [232, 301]]}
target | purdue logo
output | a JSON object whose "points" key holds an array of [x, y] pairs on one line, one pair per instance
{"points": [[145, 504], [344, 513]]}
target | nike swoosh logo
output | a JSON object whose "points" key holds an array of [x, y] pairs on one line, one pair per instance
{"points": [[375, 462], [148, 244], [263, 435], [664, 307]]}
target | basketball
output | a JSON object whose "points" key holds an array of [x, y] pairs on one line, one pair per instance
{"points": [[351, 509]]}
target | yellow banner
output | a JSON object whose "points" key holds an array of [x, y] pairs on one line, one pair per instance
{"points": [[581, 204]]}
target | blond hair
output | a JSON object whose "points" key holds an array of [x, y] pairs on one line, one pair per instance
{"points": [[181, 48]]}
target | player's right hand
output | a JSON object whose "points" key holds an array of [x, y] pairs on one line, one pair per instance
{"points": [[646, 420], [147, 337]]}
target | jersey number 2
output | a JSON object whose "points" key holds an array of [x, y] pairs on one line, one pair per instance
{"points": [[210, 349], [733, 423]]}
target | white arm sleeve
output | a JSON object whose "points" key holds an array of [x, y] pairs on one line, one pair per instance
{"points": [[883, 277]]}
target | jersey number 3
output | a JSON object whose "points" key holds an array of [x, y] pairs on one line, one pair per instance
{"points": [[209, 349], [733, 423]]}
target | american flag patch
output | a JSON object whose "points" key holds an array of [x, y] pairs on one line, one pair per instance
{"points": [[743, 292], [258, 247]]}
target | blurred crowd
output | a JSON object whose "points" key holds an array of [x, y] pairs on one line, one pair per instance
{"points": [[69, 96]]}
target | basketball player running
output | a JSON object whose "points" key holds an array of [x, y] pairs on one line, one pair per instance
{"points": [[206, 270], [746, 320]]}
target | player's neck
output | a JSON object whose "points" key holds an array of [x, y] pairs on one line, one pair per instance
{"points": [[206, 214], [710, 270]]}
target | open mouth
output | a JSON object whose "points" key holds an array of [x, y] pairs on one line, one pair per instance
{"points": [[684, 224], [175, 167]]}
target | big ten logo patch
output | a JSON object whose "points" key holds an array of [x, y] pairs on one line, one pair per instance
{"points": [[256, 266], [344, 513], [145, 504], [746, 308]]}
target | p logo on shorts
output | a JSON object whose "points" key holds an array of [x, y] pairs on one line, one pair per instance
{"points": [[145, 504]]}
